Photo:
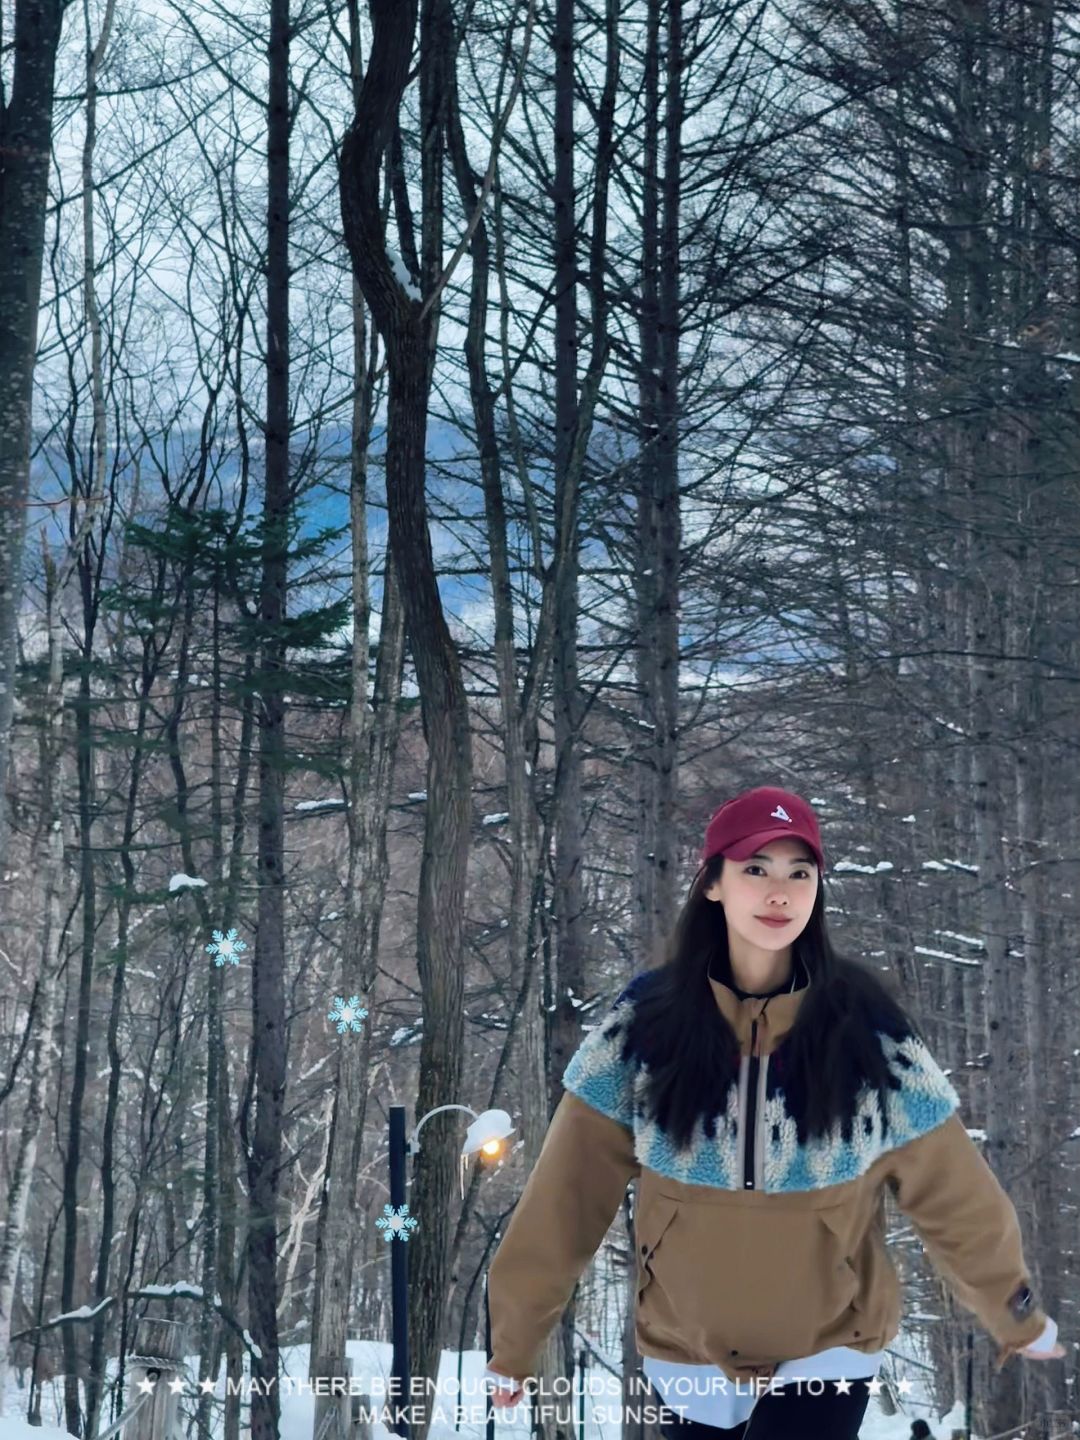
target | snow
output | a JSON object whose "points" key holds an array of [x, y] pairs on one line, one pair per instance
{"points": [[496, 819], [950, 865], [405, 1034], [180, 881], [333, 800], [371, 1363], [976, 940], [402, 276], [1067, 357], [944, 955], [84, 1312], [184, 1289], [15, 1429]]}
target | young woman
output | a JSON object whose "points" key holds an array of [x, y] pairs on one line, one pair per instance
{"points": [[763, 1090]]}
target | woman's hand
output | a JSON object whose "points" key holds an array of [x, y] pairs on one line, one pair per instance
{"points": [[502, 1395], [501, 1399]]}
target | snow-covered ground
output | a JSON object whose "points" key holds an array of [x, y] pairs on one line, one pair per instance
{"points": [[371, 1363]]}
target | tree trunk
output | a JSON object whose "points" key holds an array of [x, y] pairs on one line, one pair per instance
{"points": [[658, 532], [408, 327], [373, 740], [985, 636], [268, 967], [25, 148], [49, 864], [88, 571]]}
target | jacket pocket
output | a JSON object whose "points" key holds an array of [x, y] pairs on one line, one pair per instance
{"points": [[835, 1220], [650, 1226], [742, 1282], [657, 1326], [876, 1305]]}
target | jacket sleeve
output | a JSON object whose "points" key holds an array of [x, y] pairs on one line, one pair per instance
{"points": [[568, 1204], [968, 1226]]}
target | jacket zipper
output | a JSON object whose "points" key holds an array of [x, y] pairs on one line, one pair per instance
{"points": [[750, 1120]]}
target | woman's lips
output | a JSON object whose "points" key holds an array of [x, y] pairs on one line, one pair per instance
{"points": [[768, 920]]}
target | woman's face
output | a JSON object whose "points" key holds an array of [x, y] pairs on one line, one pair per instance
{"points": [[780, 880]]}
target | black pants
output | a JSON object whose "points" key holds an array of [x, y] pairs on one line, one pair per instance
{"points": [[787, 1412]]}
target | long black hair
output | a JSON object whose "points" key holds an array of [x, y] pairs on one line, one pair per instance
{"points": [[692, 1052]]}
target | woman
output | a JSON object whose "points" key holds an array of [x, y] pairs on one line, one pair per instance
{"points": [[763, 1091]]}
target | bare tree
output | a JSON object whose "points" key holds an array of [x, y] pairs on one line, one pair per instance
{"points": [[269, 1037], [408, 325], [372, 739], [50, 866], [25, 147]]}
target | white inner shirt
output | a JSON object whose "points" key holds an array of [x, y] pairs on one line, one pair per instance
{"points": [[704, 1392]]}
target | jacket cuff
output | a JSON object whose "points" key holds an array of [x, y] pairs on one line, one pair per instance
{"points": [[1017, 1335], [499, 1375], [511, 1367]]}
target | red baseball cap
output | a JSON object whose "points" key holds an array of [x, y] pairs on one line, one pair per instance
{"points": [[743, 824]]}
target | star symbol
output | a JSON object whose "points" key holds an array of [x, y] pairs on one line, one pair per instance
{"points": [[176, 1385], [843, 1387], [904, 1386], [874, 1386], [207, 1386], [146, 1385]]}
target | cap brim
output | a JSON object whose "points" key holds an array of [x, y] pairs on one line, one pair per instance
{"points": [[745, 848]]}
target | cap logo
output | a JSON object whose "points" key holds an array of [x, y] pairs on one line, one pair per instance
{"points": [[780, 814]]}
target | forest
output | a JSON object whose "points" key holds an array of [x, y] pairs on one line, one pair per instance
{"points": [[447, 447]]}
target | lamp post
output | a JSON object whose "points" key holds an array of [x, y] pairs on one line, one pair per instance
{"points": [[967, 1382], [485, 1136]]}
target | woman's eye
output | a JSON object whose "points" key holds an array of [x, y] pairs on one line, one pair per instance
{"points": [[758, 867]]}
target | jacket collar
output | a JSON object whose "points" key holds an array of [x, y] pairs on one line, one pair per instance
{"points": [[775, 1014]]}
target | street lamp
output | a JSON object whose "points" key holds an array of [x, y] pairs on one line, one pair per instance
{"points": [[485, 1136]]}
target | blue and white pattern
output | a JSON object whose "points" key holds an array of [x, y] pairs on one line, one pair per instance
{"points": [[598, 1075]]}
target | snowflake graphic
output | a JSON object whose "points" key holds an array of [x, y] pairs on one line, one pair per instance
{"points": [[347, 1013], [226, 947], [396, 1222]]}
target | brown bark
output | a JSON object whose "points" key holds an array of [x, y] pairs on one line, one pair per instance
{"points": [[658, 533], [49, 865], [268, 1054], [372, 742], [409, 330], [25, 147]]}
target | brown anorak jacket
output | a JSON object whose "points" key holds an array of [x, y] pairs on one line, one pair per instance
{"points": [[751, 1248]]}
